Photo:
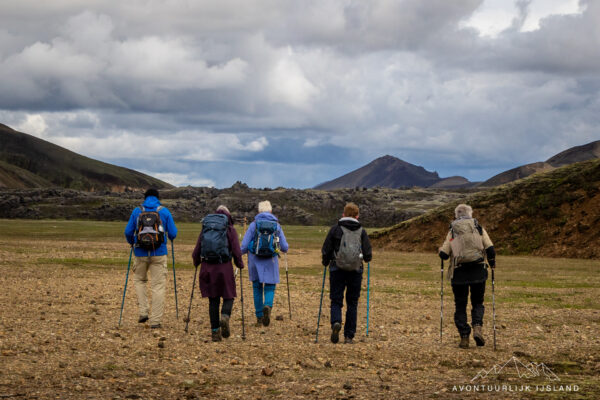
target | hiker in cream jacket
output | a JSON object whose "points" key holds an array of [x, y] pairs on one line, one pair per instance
{"points": [[467, 245]]}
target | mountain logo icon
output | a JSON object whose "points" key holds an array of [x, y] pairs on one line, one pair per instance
{"points": [[514, 366]]}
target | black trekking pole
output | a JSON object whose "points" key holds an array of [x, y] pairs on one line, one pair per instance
{"points": [[321, 304], [125, 288], [175, 281], [242, 291], [368, 285], [441, 300], [242, 300], [187, 320], [288, 285], [494, 307]]}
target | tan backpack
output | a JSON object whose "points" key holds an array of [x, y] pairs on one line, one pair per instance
{"points": [[467, 241]]}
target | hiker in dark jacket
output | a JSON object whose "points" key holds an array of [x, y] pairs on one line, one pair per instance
{"points": [[217, 280], [467, 245], [348, 274], [153, 261]]}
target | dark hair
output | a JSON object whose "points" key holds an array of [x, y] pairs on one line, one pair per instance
{"points": [[151, 192]]}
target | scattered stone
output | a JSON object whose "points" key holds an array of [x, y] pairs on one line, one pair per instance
{"points": [[347, 386], [539, 328], [328, 364], [140, 374], [503, 326], [62, 364], [266, 371], [161, 344], [279, 318], [235, 361]]}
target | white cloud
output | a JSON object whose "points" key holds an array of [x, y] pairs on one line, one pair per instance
{"points": [[34, 124], [180, 179], [336, 80]]}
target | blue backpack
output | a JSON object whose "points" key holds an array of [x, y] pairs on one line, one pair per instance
{"points": [[215, 246], [264, 243]]}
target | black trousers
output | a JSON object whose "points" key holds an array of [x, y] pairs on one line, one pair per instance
{"points": [[349, 281], [213, 310], [461, 298]]}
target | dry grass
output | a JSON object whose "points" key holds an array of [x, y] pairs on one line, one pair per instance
{"points": [[61, 298]]}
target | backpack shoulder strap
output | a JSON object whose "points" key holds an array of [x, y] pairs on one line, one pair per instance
{"points": [[142, 208], [159, 208], [478, 227]]}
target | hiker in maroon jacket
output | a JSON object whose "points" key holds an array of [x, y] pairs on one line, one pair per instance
{"points": [[217, 280]]}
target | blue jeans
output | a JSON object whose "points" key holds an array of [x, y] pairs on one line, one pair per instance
{"points": [[263, 296], [349, 281]]}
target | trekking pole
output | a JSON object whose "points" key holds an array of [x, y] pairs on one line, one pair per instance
{"points": [[175, 281], [242, 296], [125, 288], [321, 304], [242, 299], [368, 284], [441, 300], [288, 285], [187, 320], [494, 308]]}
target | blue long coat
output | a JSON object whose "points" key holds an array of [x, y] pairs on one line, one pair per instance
{"points": [[264, 270]]}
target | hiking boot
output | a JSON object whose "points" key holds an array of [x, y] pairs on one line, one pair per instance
{"points": [[348, 340], [142, 319], [266, 319], [156, 326], [216, 335], [259, 321], [335, 332], [225, 326], [478, 335], [464, 342]]}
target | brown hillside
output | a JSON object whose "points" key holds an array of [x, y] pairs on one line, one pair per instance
{"points": [[548, 214]]}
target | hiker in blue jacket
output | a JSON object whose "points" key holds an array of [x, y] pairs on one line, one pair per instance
{"points": [[263, 259], [152, 260]]}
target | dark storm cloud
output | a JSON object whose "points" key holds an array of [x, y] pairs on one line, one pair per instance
{"points": [[326, 86]]}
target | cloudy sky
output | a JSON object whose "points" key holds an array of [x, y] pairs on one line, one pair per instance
{"points": [[293, 93]]}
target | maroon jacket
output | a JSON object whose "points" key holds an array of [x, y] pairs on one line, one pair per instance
{"points": [[217, 280]]}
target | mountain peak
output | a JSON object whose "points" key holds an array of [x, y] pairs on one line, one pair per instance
{"points": [[385, 171]]}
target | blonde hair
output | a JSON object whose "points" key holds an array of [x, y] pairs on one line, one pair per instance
{"points": [[351, 210], [223, 208], [265, 206], [463, 210]]}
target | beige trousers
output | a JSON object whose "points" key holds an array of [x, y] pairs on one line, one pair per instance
{"points": [[157, 266]]}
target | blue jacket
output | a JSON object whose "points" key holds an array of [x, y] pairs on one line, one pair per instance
{"points": [[264, 270], [151, 204]]}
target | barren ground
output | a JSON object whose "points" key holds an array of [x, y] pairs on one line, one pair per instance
{"points": [[62, 283]]}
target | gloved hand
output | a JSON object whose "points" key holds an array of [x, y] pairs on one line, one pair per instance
{"points": [[443, 255], [492, 263]]}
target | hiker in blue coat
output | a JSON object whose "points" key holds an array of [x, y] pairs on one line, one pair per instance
{"points": [[263, 259], [153, 260]]}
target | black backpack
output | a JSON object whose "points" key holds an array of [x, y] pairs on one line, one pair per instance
{"points": [[150, 233], [215, 246]]}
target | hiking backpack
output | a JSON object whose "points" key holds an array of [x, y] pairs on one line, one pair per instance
{"points": [[348, 256], [467, 241], [150, 233], [264, 242], [215, 246]]}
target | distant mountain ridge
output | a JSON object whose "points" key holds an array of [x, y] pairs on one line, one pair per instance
{"points": [[30, 162], [387, 171], [574, 154], [551, 214]]}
